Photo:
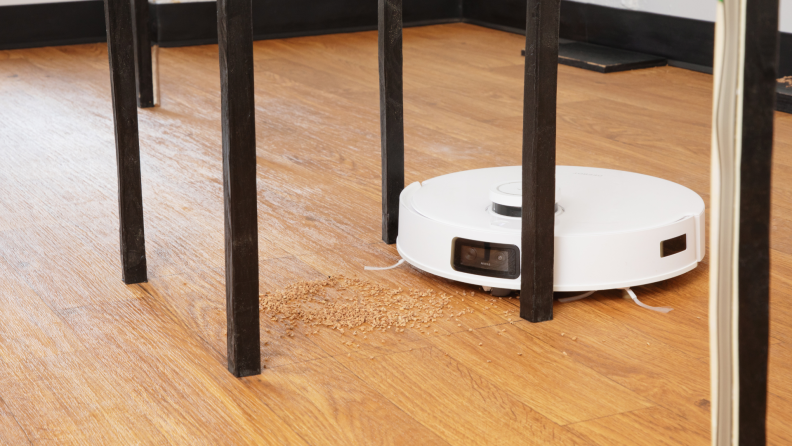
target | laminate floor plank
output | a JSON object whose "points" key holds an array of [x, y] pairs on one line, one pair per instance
{"points": [[652, 426], [164, 370], [544, 378], [30, 329], [685, 327], [36, 408], [331, 406], [654, 369], [92, 402], [62, 270], [10, 431], [779, 430], [467, 408]]}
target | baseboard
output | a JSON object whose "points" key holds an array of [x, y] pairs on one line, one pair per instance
{"points": [[47, 24], [690, 66], [185, 24], [784, 97], [195, 23], [496, 26]]}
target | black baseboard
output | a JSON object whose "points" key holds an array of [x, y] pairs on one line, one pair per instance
{"points": [[47, 24], [784, 97], [182, 24]]}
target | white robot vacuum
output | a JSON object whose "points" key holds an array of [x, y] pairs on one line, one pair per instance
{"points": [[613, 229]]}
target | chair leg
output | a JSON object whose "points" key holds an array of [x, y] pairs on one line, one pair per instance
{"points": [[538, 160], [143, 66], [122, 81], [235, 34], [391, 114]]}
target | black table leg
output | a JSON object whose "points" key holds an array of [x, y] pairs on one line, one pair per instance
{"points": [[761, 66], [143, 69], [122, 82], [235, 34], [538, 160], [391, 114]]}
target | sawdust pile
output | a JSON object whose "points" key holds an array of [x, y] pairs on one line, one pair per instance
{"points": [[341, 302]]}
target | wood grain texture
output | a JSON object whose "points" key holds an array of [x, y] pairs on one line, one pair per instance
{"points": [[10, 431], [92, 353], [166, 372], [120, 49], [642, 428], [539, 160], [235, 35], [37, 331], [539, 375], [312, 399], [452, 386]]}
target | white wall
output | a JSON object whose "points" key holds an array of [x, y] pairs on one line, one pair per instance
{"points": [[691, 9]]}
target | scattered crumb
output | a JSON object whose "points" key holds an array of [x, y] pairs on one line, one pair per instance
{"points": [[519, 354], [563, 334], [480, 344], [565, 354], [489, 360], [340, 303], [574, 338]]}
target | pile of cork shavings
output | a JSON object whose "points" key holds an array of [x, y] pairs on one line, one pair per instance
{"points": [[345, 303]]}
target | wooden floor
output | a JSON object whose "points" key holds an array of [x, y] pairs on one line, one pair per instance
{"points": [[85, 359]]}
